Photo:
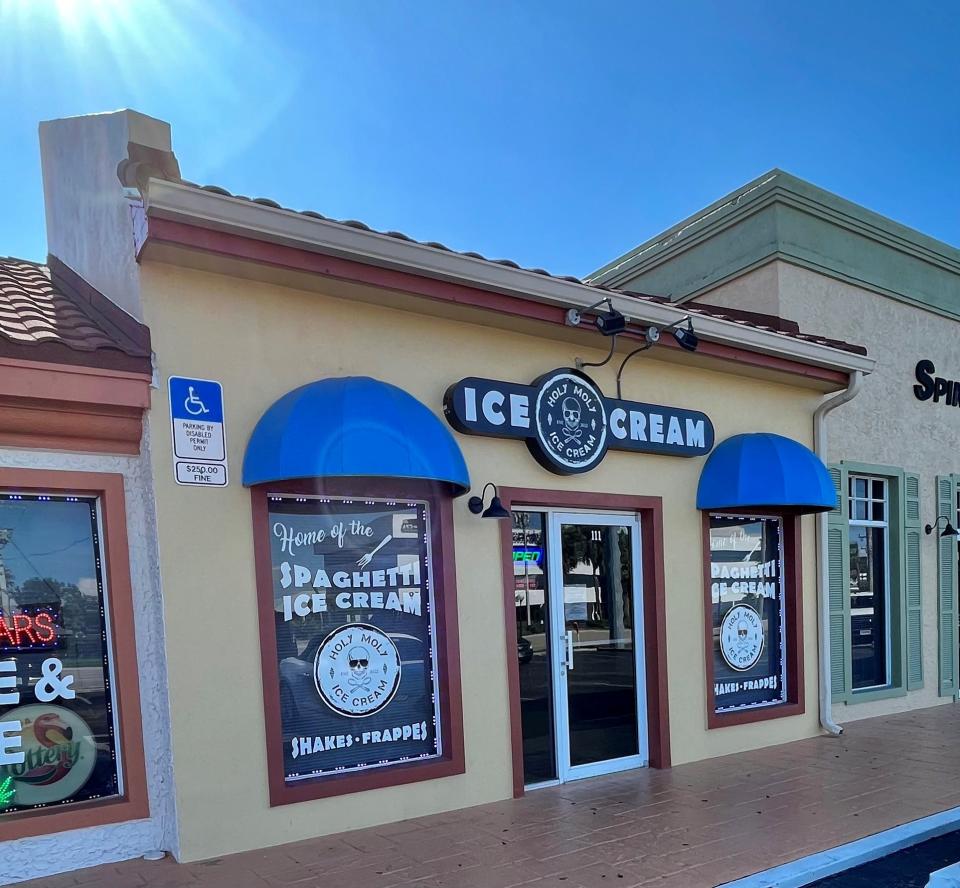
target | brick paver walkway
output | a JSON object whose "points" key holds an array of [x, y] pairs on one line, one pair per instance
{"points": [[693, 826]]}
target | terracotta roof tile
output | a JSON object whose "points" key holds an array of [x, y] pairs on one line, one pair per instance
{"points": [[48, 313], [778, 325]]}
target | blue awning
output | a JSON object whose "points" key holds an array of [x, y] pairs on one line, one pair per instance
{"points": [[352, 427], [761, 470]]}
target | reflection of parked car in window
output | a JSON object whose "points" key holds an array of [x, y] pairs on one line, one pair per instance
{"points": [[524, 650], [298, 691]]}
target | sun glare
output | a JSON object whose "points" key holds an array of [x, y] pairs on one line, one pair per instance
{"points": [[214, 69], [73, 18]]}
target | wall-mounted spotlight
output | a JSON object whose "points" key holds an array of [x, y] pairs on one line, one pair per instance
{"points": [[612, 322], [609, 322], [948, 531], [494, 510], [685, 336]]}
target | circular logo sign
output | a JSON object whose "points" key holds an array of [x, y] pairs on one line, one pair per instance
{"points": [[741, 637], [59, 754], [357, 670], [570, 423]]}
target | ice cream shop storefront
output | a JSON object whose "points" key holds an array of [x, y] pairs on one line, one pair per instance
{"points": [[432, 530], [359, 493], [467, 530]]}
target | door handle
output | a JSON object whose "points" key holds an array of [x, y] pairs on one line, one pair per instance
{"points": [[569, 649]]}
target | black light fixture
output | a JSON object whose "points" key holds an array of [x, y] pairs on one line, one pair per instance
{"points": [[609, 322], [494, 510], [948, 531], [685, 337]]}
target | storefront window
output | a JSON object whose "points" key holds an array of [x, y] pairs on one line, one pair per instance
{"points": [[57, 714], [748, 612], [353, 601], [869, 537]]}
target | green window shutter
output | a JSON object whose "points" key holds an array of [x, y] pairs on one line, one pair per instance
{"points": [[947, 587], [838, 591], [912, 585]]}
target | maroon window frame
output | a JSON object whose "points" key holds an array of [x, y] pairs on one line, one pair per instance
{"points": [[793, 622], [451, 761]]}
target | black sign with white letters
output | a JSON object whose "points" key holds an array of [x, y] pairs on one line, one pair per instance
{"points": [[568, 424]]}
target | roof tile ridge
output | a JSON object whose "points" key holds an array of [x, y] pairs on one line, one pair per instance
{"points": [[125, 332]]}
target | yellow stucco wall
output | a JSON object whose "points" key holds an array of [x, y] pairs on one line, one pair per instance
{"points": [[260, 341]]}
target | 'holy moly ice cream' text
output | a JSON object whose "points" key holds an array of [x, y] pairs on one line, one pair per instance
{"points": [[391, 580]]}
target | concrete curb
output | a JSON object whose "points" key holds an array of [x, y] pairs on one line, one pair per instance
{"points": [[802, 872]]}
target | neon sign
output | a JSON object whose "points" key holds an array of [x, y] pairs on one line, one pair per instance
{"points": [[533, 555], [32, 629], [7, 792]]}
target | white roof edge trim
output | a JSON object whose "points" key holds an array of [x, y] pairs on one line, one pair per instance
{"points": [[173, 200]]}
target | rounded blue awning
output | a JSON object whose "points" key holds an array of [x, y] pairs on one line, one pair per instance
{"points": [[762, 470], [352, 427]]}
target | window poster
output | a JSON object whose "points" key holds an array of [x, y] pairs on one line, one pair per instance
{"points": [[353, 604], [57, 730], [747, 595]]}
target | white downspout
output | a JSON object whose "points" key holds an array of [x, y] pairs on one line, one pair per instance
{"points": [[823, 565]]}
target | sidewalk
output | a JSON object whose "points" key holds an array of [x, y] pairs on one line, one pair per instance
{"points": [[694, 826]]}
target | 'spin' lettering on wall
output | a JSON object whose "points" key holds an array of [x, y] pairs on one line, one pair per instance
{"points": [[197, 428]]}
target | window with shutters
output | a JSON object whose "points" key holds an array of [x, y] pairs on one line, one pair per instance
{"points": [[948, 499], [873, 557], [869, 536]]}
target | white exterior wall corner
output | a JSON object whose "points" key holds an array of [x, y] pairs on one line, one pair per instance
{"points": [[45, 855]]}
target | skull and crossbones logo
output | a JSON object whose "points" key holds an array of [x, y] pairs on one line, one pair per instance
{"points": [[571, 420], [357, 669], [743, 630], [359, 661]]}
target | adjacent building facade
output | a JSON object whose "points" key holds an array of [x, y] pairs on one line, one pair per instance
{"points": [[784, 247], [84, 721]]}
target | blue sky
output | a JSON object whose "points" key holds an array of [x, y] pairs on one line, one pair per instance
{"points": [[558, 134]]}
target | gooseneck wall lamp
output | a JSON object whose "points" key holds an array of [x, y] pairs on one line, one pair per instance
{"points": [[948, 531], [494, 510]]}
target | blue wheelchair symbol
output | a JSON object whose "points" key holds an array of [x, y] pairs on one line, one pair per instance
{"points": [[196, 399]]}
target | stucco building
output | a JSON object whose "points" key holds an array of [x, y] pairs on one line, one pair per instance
{"points": [[436, 530]]}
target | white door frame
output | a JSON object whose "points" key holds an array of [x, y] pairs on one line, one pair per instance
{"points": [[555, 518]]}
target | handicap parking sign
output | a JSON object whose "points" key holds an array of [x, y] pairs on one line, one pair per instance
{"points": [[199, 440]]}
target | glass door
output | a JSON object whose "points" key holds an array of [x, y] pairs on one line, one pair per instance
{"points": [[601, 724], [579, 644]]}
